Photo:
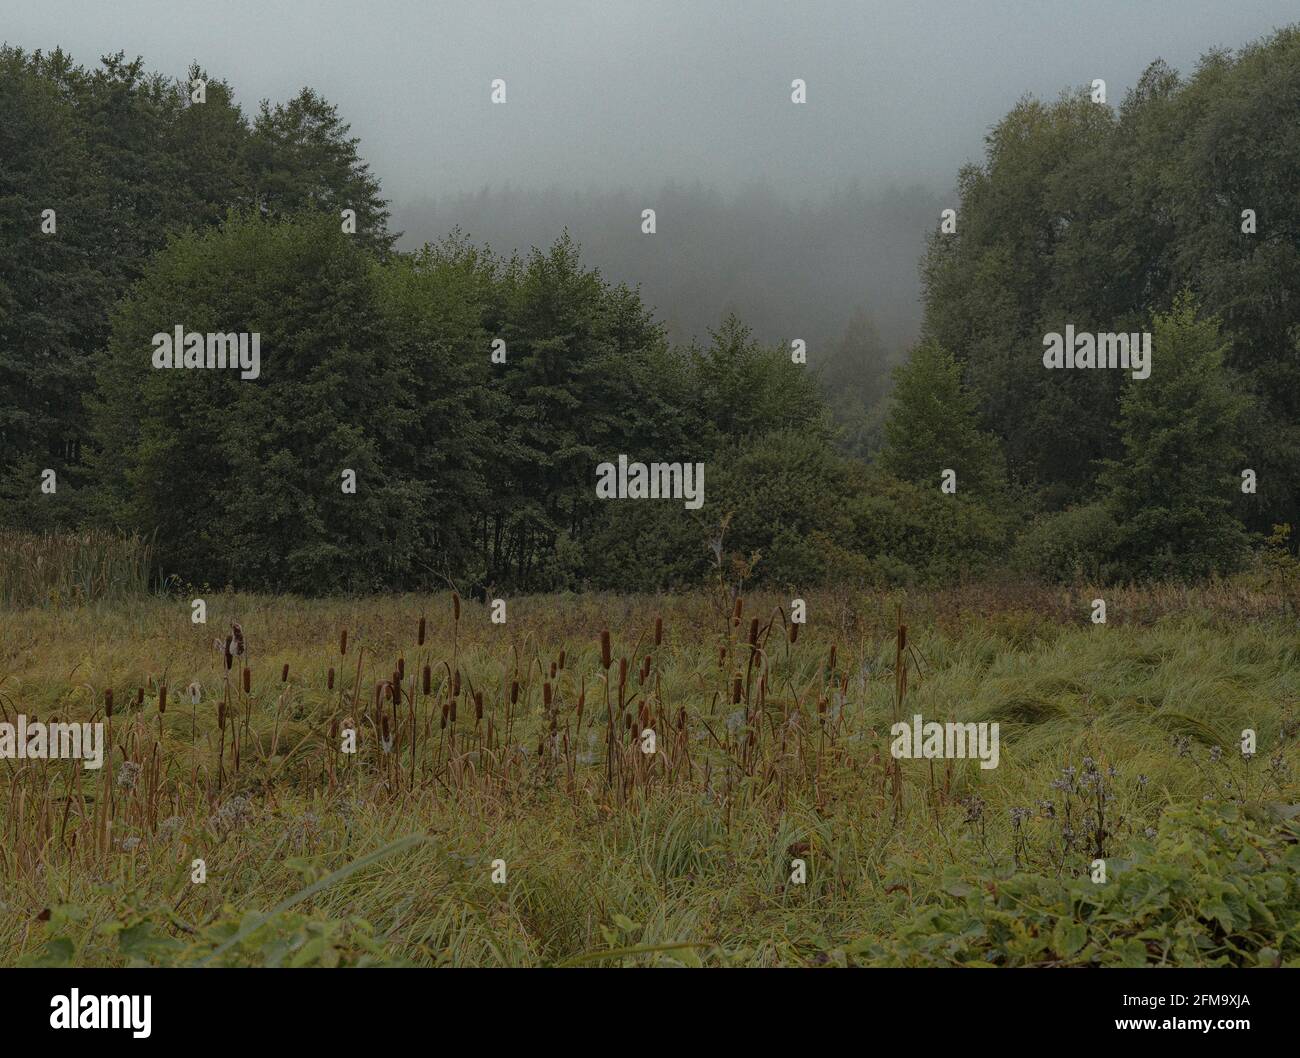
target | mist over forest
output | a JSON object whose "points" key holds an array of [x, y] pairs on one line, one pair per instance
{"points": [[789, 265]]}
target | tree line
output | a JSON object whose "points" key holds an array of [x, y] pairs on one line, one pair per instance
{"points": [[480, 469]]}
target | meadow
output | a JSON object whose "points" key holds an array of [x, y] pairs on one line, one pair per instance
{"points": [[500, 807]]}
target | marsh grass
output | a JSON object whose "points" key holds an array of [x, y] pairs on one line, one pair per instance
{"points": [[523, 743]]}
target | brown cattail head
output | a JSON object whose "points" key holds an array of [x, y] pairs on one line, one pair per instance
{"points": [[453, 709], [605, 658], [383, 722], [514, 691], [645, 668], [108, 702], [248, 679], [329, 682], [902, 637], [736, 688], [419, 639], [229, 652], [455, 605], [478, 705], [446, 708], [334, 729], [622, 673], [455, 684], [833, 648], [562, 655], [735, 610], [401, 668], [794, 633], [284, 673], [343, 641], [554, 669], [546, 694], [659, 631], [139, 697], [395, 689], [162, 698], [426, 679]]}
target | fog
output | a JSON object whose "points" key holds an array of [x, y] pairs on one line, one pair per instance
{"points": [[793, 215]]}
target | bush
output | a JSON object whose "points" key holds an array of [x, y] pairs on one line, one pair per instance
{"points": [[1067, 545], [1215, 888]]}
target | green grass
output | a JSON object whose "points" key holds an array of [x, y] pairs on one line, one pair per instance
{"points": [[686, 857]]}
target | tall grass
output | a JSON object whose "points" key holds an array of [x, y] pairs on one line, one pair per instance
{"points": [[71, 569]]}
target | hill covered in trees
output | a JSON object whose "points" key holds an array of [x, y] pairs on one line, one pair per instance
{"points": [[471, 396]]}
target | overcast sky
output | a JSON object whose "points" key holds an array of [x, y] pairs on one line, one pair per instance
{"points": [[616, 93]]}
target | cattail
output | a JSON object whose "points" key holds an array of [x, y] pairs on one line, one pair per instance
{"points": [[453, 710], [229, 652], [395, 690], [514, 691], [794, 633], [426, 679], [284, 673], [605, 658], [659, 631], [622, 673], [108, 702], [343, 641], [833, 647], [248, 679], [546, 694], [735, 611], [419, 639], [401, 669], [562, 655], [238, 634], [334, 729], [455, 684], [162, 698], [383, 726], [645, 668], [446, 706], [735, 689], [902, 637], [553, 669], [139, 697], [455, 605], [722, 655], [329, 680], [478, 705]]}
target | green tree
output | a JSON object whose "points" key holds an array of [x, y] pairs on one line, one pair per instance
{"points": [[933, 426], [1171, 494], [241, 479]]}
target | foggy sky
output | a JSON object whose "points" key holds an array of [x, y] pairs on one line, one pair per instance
{"points": [[621, 98], [608, 93]]}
